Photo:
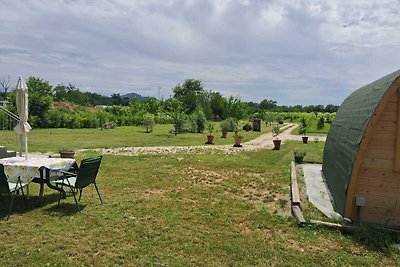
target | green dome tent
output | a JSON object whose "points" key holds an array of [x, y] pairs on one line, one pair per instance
{"points": [[361, 163]]}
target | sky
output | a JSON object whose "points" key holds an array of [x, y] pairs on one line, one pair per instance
{"points": [[291, 51]]}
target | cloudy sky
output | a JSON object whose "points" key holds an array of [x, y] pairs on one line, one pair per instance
{"points": [[295, 52]]}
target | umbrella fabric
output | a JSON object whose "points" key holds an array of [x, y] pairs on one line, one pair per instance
{"points": [[22, 107]]}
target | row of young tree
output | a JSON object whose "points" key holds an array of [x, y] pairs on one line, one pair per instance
{"points": [[188, 109]]}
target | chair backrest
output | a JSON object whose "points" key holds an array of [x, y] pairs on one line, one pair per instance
{"points": [[87, 172], [4, 188]]}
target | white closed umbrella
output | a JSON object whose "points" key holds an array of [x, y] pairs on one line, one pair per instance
{"points": [[23, 126]]}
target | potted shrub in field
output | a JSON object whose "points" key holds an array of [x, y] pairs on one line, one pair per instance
{"points": [[276, 131], [224, 128], [238, 139], [210, 130], [299, 156], [66, 152], [303, 131]]}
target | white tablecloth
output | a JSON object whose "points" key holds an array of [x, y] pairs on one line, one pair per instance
{"points": [[28, 169]]}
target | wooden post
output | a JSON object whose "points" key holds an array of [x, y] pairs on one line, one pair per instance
{"points": [[298, 214], [294, 185]]}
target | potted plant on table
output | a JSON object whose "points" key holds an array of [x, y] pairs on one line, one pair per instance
{"points": [[238, 139], [303, 131], [210, 130], [276, 131], [299, 156], [66, 152]]}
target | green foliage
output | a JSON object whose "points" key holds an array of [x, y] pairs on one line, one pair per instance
{"points": [[303, 130], [276, 131], [191, 94], [174, 108], [381, 238], [236, 108], [40, 100], [210, 127], [200, 120], [321, 123], [237, 135], [299, 156], [247, 126], [231, 124], [224, 126], [148, 122]]}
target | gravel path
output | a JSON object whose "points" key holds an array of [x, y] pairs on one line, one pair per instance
{"points": [[262, 142]]}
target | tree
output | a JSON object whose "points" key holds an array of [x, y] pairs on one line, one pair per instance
{"points": [[174, 109], [321, 123], [236, 108], [218, 105], [5, 84], [191, 94], [268, 104], [40, 100], [148, 122]]}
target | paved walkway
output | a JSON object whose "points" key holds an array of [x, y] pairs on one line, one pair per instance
{"points": [[264, 141]]}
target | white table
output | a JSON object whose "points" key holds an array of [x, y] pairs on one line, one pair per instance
{"points": [[42, 169]]}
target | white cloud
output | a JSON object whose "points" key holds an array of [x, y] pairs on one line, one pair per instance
{"points": [[305, 52]]}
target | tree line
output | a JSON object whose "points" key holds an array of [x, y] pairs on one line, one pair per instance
{"points": [[190, 105]]}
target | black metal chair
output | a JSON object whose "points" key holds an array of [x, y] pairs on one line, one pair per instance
{"points": [[9, 189], [84, 176]]}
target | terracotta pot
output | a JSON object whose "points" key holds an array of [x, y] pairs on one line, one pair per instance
{"points": [[305, 139], [67, 154], [224, 133], [237, 142], [210, 139], [277, 144]]}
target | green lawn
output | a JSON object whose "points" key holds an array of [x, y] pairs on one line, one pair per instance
{"points": [[313, 129], [49, 140], [191, 210]]}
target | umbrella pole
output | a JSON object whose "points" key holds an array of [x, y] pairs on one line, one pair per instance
{"points": [[20, 145], [26, 146]]}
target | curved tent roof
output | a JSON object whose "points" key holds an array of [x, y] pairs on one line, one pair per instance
{"points": [[346, 133]]}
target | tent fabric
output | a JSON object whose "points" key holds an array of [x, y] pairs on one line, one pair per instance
{"points": [[346, 133]]}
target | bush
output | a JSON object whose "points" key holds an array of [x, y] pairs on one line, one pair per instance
{"points": [[247, 127], [148, 122], [299, 156], [232, 124], [210, 127], [321, 123], [200, 120]]}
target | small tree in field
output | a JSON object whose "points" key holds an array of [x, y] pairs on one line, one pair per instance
{"points": [[321, 123], [174, 109], [148, 122]]}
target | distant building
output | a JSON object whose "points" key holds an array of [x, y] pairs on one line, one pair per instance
{"points": [[4, 103]]}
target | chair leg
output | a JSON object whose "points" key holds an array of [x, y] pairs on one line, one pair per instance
{"points": [[98, 193], [76, 201], [59, 197], [23, 197], [80, 194], [11, 204]]}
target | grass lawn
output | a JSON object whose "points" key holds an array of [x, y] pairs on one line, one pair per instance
{"points": [[49, 140], [313, 129], [191, 210]]}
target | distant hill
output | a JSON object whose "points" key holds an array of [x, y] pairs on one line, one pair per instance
{"points": [[135, 96]]}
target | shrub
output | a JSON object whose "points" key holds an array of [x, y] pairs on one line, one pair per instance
{"points": [[276, 131], [232, 124], [148, 122], [200, 120], [321, 123], [247, 127], [210, 127], [299, 156]]}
